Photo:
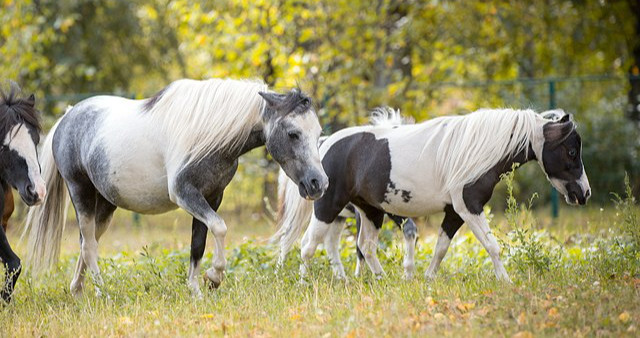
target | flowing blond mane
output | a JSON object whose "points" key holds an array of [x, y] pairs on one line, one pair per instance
{"points": [[207, 116], [475, 143]]}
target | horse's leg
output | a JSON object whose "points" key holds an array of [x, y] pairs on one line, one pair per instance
{"points": [[10, 259], [360, 262], [12, 267], [409, 231], [314, 235], [191, 199], [84, 196], [332, 245], [104, 214], [450, 225], [368, 238], [9, 206], [480, 228], [198, 243]]}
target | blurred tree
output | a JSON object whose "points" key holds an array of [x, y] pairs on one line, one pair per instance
{"points": [[351, 55]]}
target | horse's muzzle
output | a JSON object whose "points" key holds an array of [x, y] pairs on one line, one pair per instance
{"points": [[313, 187]]}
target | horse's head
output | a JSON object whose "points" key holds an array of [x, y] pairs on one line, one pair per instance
{"points": [[561, 158], [292, 131], [20, 133]]}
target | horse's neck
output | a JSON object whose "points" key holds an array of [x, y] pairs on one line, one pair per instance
{"points": [[256, 139], [506, 165]]}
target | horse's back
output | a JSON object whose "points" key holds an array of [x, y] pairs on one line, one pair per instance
{"points": [[390, 168], [109, 140]]}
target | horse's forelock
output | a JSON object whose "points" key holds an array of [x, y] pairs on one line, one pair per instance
{"points": [[293, 99], [15, 109]]}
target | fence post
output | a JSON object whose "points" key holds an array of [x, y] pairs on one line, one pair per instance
{"points": [[554, 192]]}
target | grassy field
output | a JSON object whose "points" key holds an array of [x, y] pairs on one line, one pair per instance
{"points": [[578, 276]]}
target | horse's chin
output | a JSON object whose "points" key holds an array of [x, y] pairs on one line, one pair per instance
{"points": [[308, 196]]}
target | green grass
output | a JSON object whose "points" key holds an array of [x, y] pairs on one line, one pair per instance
{"points": [[589, 284]]}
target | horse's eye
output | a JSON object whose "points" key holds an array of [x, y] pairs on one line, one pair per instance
{"points": [[572, 153], [294, 135]]}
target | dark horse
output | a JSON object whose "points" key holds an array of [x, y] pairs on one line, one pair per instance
{"points": [[19, 169], [383, 116], [448, 164]]}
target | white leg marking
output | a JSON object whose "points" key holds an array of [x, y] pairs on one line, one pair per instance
{"points": [[192, 279], [409, 257], [358, 267], [312, 238], [219, 229], [332, 245], [441, 250], [480, 228], [368, 243], [77, 284], [89, 249]]}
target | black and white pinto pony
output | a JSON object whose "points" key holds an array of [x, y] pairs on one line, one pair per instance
{"points": [[449, 164], [179, 148], [19, 168], [382, 116]]}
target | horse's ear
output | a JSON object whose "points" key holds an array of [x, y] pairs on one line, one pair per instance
{"points": [[272, 99], [556, 132], [566, 118], [31, 100]]}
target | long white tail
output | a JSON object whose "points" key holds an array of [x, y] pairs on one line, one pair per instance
{"points": [[45, 222], [294, 214]]}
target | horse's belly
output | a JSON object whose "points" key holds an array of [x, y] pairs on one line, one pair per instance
{"points": [[128, 167], [414, 203], [143, 191]]}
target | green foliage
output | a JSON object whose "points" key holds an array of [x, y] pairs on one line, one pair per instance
{"points": [[525, 246], [610, 148], [630, 214], [350, 55]]}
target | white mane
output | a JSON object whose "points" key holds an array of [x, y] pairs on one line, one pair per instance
{"points": [[474, 143], [201, 117], [387, 117]]}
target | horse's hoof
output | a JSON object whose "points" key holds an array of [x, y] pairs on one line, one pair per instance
{"points": [[197, 294], [76, 291], [213, 279]]}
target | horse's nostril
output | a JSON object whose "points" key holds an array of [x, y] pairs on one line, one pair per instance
{"points": [[315, 185], [588, 193]]}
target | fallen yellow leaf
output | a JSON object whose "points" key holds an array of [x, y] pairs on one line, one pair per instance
{"points": [[464, 307], [522, 318], [553, 312], [207, 316], [624, 317], [523, 334]]}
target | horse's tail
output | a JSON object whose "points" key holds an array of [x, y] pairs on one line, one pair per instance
{"points": [[45, 222], [388, 117], [294, 214]]}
